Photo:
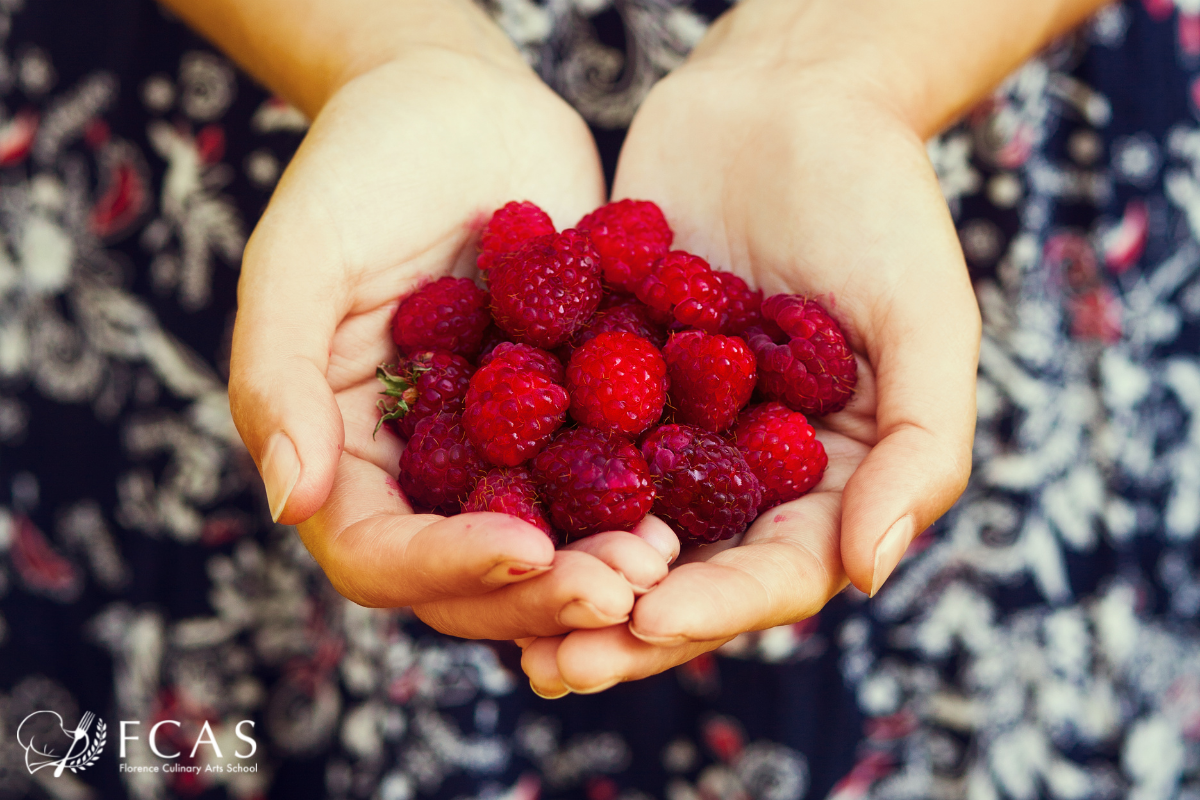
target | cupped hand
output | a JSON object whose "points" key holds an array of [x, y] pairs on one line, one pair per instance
{"points": [[400, 169], [803, 178]]}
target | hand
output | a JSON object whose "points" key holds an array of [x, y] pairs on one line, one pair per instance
{"points": [[806, 179], [401, 167]]}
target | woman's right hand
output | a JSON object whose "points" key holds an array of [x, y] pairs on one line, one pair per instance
{"points": [[401, 167]]}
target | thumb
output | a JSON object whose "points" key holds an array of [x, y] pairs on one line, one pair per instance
{"points": [[925, 370], [290, 301]]}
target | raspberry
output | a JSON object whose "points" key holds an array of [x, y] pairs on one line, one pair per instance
{"points": [[704, 488], [448, 314], [810, 367], [617, 382], [493, 337], [630, 236], [509, 491], [522, 356], [547, 290], [514, 405], [593, 482], [440, 466], [432, 382], [712, 377], [745, 306], [624, 314], [684, 289], [509, 228], [782, 450]]}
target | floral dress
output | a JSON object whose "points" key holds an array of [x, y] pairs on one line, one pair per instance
{"points": [[1041, 641]]}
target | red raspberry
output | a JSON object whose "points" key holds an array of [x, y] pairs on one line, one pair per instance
{"points": [[782, 450], [547, 290], [509, 491], [684, 289], [810, 367], [704, 488], [617, 382], [525, 357], [509, 228], [593, 482], [630, 236], [513, 405], [625, 314], [448, 314], [440, 466], [432, 382], [712, 377], [745, 306]]}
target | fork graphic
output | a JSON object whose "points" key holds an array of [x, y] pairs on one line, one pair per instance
{"points": [[80, 733]]}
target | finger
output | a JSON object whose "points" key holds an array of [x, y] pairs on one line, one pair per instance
{"points": [[925, 367], [587, 662], [290, 301], [658, 535], [786, 569], [579, 592], [538, 662], [629, 556], [378, 553]]}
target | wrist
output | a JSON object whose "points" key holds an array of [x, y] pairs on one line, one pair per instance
{"points": [[925, 61]]}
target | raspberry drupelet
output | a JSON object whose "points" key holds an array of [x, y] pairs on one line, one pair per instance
{"points": [[440, 465], [683, 289]]}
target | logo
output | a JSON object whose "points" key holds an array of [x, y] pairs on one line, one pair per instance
{"points": [[48, 743]]}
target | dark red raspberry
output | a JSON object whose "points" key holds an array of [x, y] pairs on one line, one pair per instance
{"points": [[509, 228], [547, 290], [492, 338], [513, 405], [684, 289], [810, 367], [704, 488], [439, 466], [712, 378], [509, 491], [432, 382], [627, 314], [448, 314], [630, 236], [745, 306], [617, 382], [593, 482], [782, 450]]}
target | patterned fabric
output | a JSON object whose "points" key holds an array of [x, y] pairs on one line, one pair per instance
{"points": [[1041, 642]]}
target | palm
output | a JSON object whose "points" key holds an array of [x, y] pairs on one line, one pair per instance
{"points": [[801, 188], [398, 173]]}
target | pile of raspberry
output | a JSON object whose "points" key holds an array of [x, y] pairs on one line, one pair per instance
{"points": [[602, 376]]}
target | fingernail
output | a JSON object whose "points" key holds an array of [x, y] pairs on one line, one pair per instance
{"points": [[582, 614], [512, 572], [280, 470], [595, 689], [658, 641], [564, 693], [890, 550]]}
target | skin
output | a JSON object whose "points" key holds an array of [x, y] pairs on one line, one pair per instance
{"points": [[789, 149]]}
